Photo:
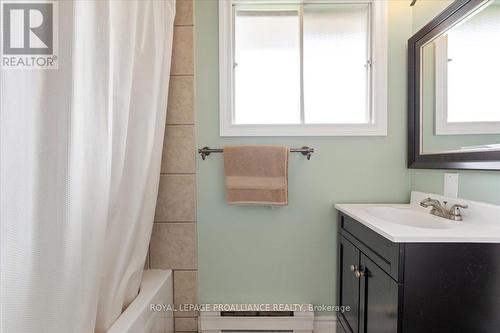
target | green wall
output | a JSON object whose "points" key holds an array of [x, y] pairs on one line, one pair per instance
{"points": [[425, 10], [473, 185], [280, 255], [260, 255]]}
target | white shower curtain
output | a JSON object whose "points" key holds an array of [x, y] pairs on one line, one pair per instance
{"points": [[80, 156]]}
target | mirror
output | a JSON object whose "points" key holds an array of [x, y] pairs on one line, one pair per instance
{"points": [[454, 104], [460, 91]]}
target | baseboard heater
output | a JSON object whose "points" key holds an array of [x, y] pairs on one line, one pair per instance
{"points": [[257, 321]]}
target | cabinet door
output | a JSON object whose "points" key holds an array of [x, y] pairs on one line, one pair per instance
{"points": [[378, 299], [348, 284]]}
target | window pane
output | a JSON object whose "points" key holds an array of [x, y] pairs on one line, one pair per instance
{"points": [[472, 84], [267, 72], [335, 71]]}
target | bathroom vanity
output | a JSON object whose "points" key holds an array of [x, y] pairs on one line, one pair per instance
{"points": [[401, 269]]}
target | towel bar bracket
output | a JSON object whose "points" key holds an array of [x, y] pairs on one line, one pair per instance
{"points": [[206, 151]]}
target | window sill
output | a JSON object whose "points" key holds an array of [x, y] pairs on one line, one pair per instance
{"points": [[308, 130]]}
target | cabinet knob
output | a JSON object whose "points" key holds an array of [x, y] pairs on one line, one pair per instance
{"points": [[359, 273], [353, 268]]}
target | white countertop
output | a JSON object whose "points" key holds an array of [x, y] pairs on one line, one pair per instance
{"points": [[481, 222]]}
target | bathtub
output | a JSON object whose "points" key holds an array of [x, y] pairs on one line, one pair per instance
{"points": [[156, 288]]}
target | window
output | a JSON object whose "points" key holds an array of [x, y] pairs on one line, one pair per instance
{"points": [[302, 68]]}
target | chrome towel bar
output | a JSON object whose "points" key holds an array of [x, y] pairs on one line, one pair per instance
{"points": [[206, 151]]}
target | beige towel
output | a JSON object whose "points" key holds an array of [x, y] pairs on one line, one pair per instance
{"points": [[256, 175]]}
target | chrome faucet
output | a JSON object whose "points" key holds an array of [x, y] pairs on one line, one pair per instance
{"points": [[453, 213]]}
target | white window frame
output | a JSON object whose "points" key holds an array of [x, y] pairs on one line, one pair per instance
{"points": [[442, 126], [377, 125]]}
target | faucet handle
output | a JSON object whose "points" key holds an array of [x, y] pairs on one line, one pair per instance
{"points": [[455, 211], [429, 202], [457, 206]]}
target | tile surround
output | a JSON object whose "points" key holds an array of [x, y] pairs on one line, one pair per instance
{"points": [[173, 246], [174, 239], [176, 198], [182, 52], [186, 324], [181, 101], [186, 287], [178, 153], [184, 13]]}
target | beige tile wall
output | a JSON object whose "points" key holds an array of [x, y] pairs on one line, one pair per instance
{"points": [[173, 242]]}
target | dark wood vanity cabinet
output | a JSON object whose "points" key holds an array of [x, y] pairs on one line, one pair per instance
{"points": [[370, 293], [415, 287]]}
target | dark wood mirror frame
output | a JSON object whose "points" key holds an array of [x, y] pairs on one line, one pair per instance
{"points": [[484, 160]]}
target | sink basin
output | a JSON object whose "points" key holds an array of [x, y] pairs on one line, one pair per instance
{"points": [[410, 223], [410, 217]]}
